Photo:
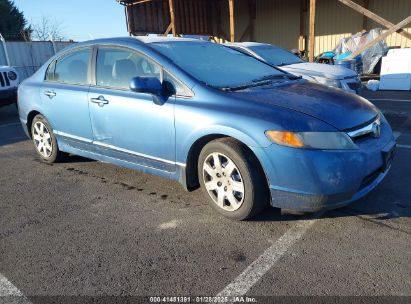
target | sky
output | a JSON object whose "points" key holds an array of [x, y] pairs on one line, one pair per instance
{"points": [[80, 19]]}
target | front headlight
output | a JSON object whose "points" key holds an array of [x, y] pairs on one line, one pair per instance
{"points": [[312, 140], [12, 75], [329, 82]]}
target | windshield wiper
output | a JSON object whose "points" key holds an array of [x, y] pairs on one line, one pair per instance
{"points": [[269, 77], [245, 86], [273, 77], [293, 77], [262, 81]]}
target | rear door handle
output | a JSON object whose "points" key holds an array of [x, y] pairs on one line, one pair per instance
{"points": [[50, 94], [101, 101]]}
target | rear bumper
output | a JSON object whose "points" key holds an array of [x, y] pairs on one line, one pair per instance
{"points": [[8, 96], [312, 180]]}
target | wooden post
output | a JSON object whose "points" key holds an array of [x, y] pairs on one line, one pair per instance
{"points": [[168, 29], [381, 37], [127, 20], [312, 31], [172, 17], [231, 11], [374, 17]]}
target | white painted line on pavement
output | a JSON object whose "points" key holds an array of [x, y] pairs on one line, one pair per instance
{"points": [[387, 99], [404, 146], [10, 125], [169, 225], [7, 289], [257, 269]]}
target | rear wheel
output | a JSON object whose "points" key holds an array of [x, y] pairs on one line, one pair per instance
{"points": [[231, 179], [44, 140]]}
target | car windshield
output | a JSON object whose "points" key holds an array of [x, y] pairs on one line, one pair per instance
{"points": [[275, 56], [216, 65]]}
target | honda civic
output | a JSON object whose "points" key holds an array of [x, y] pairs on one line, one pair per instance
{"points": [[250, 135]]}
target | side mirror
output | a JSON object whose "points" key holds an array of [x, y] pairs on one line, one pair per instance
{"points": [[146, 84]]}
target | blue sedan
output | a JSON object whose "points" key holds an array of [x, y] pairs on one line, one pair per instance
{"points": [[206, 115]]}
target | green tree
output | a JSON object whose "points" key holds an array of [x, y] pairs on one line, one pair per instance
{"points": [[13, 25]]}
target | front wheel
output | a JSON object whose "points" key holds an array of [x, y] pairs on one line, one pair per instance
{"points": [[232, 180], [45, 141]]}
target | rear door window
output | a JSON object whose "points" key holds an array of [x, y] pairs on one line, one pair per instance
{"points": [[72, 68]]}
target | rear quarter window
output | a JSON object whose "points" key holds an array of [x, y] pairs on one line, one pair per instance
{"points": [[50, 72]]}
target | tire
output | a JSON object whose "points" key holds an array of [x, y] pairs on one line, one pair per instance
{"points": [[238, 192], [45, 141]]}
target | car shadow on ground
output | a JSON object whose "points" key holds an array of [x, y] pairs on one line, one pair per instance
{"points": [[72, 159], [379, 215], [11, 131], [371, 208]]}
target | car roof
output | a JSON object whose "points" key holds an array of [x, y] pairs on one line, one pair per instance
{"points": [[154, 39], [248, 44], [145, 40], [142, 39]]}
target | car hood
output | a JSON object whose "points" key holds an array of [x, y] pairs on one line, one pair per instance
{"points": [[5, 68], [337, 108], [319, 70]]}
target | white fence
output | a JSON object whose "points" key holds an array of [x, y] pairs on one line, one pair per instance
{"points": [[27, 57]]}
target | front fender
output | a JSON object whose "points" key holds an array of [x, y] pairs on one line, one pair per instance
{"points": [[185, 144]]}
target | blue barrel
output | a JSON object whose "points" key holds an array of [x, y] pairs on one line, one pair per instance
{"points": [[349, 64]]}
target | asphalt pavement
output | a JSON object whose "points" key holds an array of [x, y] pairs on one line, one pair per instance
{"points": [[85, 228]]}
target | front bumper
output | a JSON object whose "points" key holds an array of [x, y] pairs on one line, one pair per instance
{"points": [[8, 96], [312, 180]]}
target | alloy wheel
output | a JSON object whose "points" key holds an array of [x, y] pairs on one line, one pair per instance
{"points": [[223, 181], [42, 139]]}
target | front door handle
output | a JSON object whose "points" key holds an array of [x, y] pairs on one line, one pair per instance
{"points": [[50, 94], [101, 101]]}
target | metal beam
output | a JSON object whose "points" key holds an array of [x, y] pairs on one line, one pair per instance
{"points": [[381, 37], [136, 2], [311, 40], [374, 17]]}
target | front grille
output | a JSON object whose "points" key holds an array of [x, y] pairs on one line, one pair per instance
{"points": [[362, 137], [371, 129], [4, 80]]}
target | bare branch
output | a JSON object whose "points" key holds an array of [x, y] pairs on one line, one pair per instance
{"points": [[48, 29]]}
